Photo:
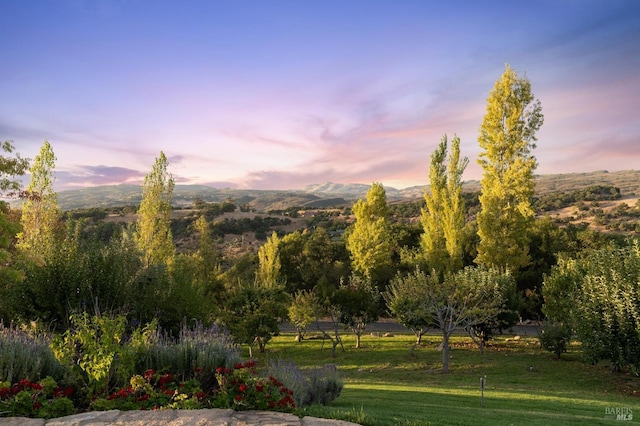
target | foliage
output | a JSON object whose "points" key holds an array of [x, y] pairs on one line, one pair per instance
{"points": [[555, 337], [40, 211], [155, 391], [43, 399], [507, 137], [242, 389], [10, 186], [357, 304], [258, 224], [94, 351], [153, 227], [405, 301], [463, 299], [368, 240], [599, 298], [312, 386], [268, 273], [10, 168], [25, 354], [196, 349], [444, 213], [252, 312], [302, 311]]}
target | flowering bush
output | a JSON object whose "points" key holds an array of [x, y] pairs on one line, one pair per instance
{"points": [[153, 391], [242, 389], [44, 399]]}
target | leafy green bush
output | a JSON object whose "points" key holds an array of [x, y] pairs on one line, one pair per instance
{"points": [[153, 391], [555, 338], [242, 389], [44, 399]]}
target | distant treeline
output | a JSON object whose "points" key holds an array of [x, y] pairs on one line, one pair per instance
{"points": [[559, 200]]}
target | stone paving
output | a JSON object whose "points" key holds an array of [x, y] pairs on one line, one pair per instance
{"points": [[211, 417]]}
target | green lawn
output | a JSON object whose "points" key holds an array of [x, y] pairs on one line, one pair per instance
{"points": [[388, 384]]}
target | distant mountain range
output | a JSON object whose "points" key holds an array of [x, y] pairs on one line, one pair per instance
{"points": [[322, 195]]}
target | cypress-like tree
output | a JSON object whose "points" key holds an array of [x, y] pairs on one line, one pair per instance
{"points": [[153, 228], [443, 216], [368, 241], [507, 138], [40, 211]]}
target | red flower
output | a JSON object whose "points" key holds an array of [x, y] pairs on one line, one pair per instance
{"points": [[238, 397], [238, 366], [200, 395], [68, 391], [219, 370], [36, 386], [259, 387], [242, 388], [149, 374], [198, 370]]}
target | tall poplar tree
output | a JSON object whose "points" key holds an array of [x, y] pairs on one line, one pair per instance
{"points": [[443, 216], [40, 211], [507, 138], [153, 228], [268, 273], [368, 241]]}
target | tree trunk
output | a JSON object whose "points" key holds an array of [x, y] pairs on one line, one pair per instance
{"points": [[445, 353], [357, 340]]}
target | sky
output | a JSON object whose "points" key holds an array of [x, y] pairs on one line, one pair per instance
{"points": [[280, 94]]}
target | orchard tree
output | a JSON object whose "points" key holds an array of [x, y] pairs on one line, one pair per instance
{"points": [[357, 302], [444, 215], [507, 138], [302, 311], [406, 301], [368, 240], [153, 227], [252, 312], [462, 299], [599, 297], [40, 211]]}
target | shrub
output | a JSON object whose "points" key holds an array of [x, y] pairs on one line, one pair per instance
{"points": [[26, 356], [196, 351], [44, 399], [316, 386], [242, 389], [154, 391], [555, 338]]}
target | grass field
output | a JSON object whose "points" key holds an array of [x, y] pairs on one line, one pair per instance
{"points": [[386, 383]]}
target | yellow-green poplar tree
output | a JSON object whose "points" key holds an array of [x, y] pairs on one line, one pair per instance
{"points": [[153, 235], [268, 273], [507, 138], [443, 217], [40, 211], [369, 241]]}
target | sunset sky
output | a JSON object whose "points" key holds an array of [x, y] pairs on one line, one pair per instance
{"points": [[278, 94]]}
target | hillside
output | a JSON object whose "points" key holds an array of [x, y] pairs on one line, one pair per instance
{"points": [[325, 195]]}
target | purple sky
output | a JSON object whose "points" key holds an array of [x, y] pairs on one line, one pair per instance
{"points": [[278, 94]]}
